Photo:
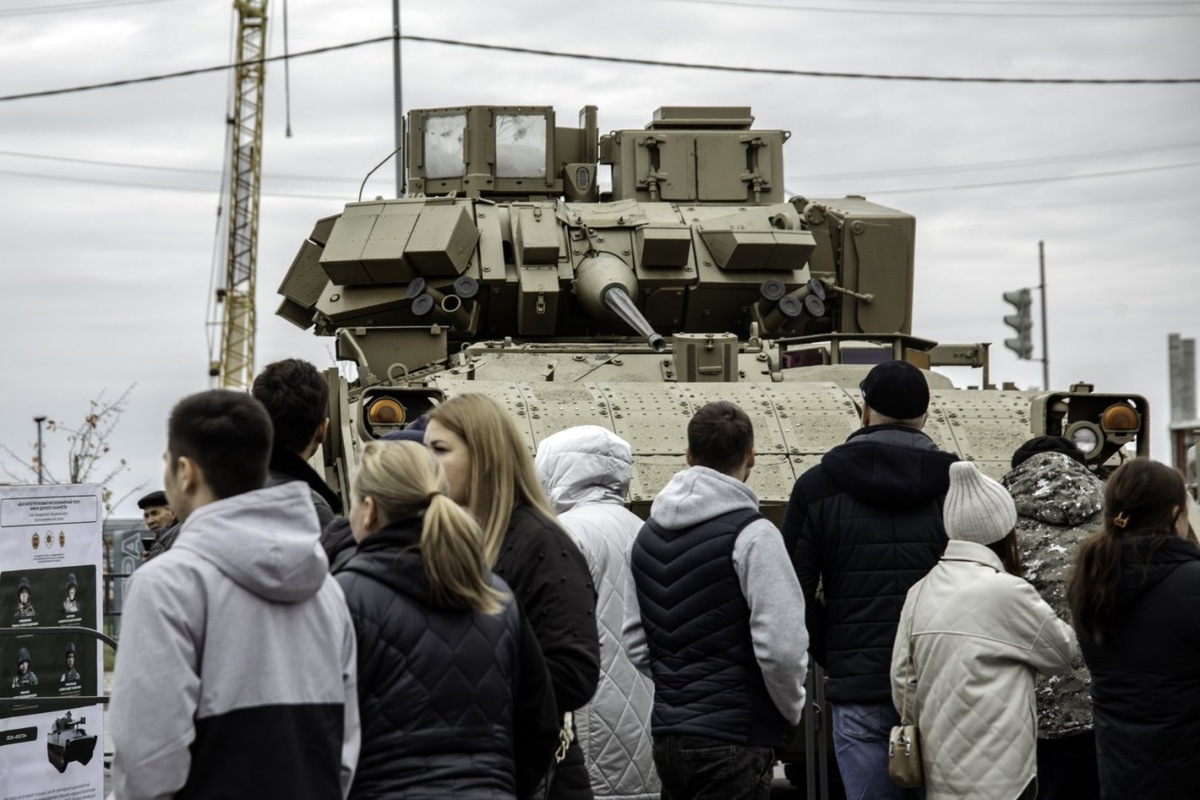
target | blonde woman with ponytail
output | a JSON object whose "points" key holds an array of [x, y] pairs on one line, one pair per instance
{"points": [[454, 696], [491, 474]]}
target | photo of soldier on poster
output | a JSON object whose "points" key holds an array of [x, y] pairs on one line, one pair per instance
{"points": [[67, 589], [25, 608], [70, 604], [25, 681]]}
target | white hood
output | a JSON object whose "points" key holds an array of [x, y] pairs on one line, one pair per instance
{"points": [[584, 464]]}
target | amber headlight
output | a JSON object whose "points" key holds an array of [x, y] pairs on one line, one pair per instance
{"points": [[1120, 418], [386, 411]]}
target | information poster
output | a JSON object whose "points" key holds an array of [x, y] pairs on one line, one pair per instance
{"points": [[51, 551]]}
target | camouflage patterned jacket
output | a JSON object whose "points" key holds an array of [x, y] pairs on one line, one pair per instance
{"points": [[1058, 505]]}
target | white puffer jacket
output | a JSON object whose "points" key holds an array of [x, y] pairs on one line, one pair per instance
{"points": [[586, 471], [978, 634]]}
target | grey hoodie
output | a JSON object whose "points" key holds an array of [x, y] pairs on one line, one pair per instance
{"points": [[764, 572], [234, 632]]}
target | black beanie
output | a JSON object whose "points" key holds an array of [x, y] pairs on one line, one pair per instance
{"points": [[896, 389], [1047, 444]]}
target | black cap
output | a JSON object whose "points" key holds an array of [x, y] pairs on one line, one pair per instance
{"points": [[71, 580], [154, 499], [406, 435], [71, 648], [896, 389], [24, 584], [1047, 444]]}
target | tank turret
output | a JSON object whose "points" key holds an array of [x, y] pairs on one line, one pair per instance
{"points": [[506, 233], [530, 259]]}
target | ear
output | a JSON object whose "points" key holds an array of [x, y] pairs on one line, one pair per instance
{"points": [[370, 513], [750, 458], [866, 415], [322, 432], [687, 456], [188, 476]]}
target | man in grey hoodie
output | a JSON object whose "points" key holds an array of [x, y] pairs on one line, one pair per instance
{"points": [[208, 698], [716, 617]]}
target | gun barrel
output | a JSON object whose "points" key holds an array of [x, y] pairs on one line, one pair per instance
{"points": [[621, 304]]}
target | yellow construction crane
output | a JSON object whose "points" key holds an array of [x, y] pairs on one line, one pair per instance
{"points": [[233, 311]]}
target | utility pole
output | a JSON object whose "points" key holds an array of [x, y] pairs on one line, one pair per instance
{"points": [[399, 101], [1181, 357], [39, 421], [1045, 328]]}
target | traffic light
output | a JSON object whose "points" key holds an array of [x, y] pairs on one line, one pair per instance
{"points": [[1021, 322]]}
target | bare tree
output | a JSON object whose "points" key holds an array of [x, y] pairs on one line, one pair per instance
{"points": [[88, 448]]}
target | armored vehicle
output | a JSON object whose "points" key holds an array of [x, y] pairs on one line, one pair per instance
{"points": [[629, 297], [510, 268], [67, 741]]}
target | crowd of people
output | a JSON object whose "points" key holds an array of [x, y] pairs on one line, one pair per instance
{"points": [[473, 621]]}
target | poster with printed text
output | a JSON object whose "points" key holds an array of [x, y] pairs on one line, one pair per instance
{"points": [[51, 582]]}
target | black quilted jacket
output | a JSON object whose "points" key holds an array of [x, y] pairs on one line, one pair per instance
{"points": [[865, 524], [452, 702], [1146, 678], [551, 580]]}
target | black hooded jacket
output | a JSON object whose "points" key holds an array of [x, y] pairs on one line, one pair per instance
{"points": [[865, 524], [1146, 677], [452, 702], [287, 466]]}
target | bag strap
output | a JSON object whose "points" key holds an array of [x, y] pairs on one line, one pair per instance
{"points": [[908, 663]]}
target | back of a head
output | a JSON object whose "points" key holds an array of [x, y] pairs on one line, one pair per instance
{"points": [[720, 436], [977, 508], [1141, 501], [980, 510], [896, 390], [1142, 498], [296, 397], [1046, 444], [228, 435], [405, 480], [401, 476], [585, 463]]}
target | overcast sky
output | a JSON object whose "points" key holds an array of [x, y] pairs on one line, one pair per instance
{"points": [[110, 197]]}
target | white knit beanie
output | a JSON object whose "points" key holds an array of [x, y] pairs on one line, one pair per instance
{"points": [[977, 509]]}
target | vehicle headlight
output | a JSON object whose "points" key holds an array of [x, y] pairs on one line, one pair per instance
{"points": [[1087, 436]]}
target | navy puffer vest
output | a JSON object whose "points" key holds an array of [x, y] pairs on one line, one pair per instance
{"points": [[697, 623]]}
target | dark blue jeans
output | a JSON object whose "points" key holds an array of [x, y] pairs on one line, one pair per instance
{"points": [[860, 736], [696, 768]]}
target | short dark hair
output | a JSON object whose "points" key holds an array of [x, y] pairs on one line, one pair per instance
{"points": [[719, 436], [227, 434], [297, 398]]}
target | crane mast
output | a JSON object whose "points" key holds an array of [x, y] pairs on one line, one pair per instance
{"points": [[234, 367]]}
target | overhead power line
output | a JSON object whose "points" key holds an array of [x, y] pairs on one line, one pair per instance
{"points": [[74, 7], [1089, 13], [613, 60], [910, 171], [871, 193], [189, 72], [1026, 181], [792, 72]]}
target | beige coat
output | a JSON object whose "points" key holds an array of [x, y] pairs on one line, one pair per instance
{"points": [[978, 634]]}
